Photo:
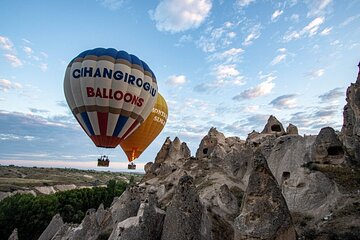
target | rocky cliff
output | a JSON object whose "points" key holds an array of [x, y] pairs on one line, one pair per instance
{"points": [[273, 185]]}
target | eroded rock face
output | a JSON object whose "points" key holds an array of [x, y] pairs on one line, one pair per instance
{"points": [[147, 224], [183, 216], [351, 123], [53, 227], [264, 213], [273, 126], [14, 235], [328, 148], [292, 129], [210, 143]]}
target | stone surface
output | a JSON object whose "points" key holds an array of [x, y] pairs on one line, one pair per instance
{"points": [[14, 235], [264, 213], [351, 122], [183, 216], [328, 148], [147, 224], [273, 126], [211, 143], [292, 129], [53, 227]]}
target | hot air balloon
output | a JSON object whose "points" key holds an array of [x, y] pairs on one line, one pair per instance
{"points": [[110, 93], [141, 138]]}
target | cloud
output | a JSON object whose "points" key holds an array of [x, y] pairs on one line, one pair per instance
{"points": [[280, 57], [6, 85], [332, 95], [284, 102], [183, 39], [111, 4], [244, 3], [309, 30], [13, 137], [276, 15], [260, 90], [318, 7], [13, 60], [28, 50], [295, 17], [316, 73], [232, 55], [214, 38], [349, 20], [225, 74], [326, 31], [43, 67], [176, 80], [177, 15], [254, 34], [6, 44]]}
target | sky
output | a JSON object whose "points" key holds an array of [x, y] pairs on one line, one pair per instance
{"points": [[223, 64]]}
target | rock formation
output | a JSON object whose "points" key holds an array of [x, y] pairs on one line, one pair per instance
{"points": [[273, 126], [264, 213], [274, 185], [328, 148], [54, 226], [351, 123], [14, 235], [183, 216], [292, 129]]}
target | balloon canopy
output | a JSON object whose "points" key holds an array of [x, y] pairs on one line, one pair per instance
{"points": [[141, 138], [110, 93]]}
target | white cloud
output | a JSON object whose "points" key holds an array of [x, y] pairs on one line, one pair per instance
{"points": [[326, 31], [215, 38], [6, 85], [316, 73], [176, 80], [260, 90], [253, 35], [276, 14], [14, 60], [284, 101], [313, 26], [111, 4], [244, 3], [178, 15], [28, 50], [295, 17], [311, 29], [317, 7], [279, 58], [43, 67], [6, 44], [228, 74], [232, 55], [349, 20]]}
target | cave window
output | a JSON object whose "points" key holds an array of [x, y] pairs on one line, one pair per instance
{"points": [[276, 128], [285, 175], [205, 150], [335, 151]]}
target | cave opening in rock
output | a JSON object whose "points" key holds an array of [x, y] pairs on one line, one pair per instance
{"points": [[285, 175], [205, 150], [335, 151], [276, 128]]}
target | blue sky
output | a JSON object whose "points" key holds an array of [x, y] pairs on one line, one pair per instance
{"points": [[223, 64]]}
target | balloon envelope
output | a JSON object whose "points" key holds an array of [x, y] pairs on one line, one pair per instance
{"points": [[141, 138], [110, 93]]}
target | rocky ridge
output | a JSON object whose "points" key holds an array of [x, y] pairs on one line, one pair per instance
{"points": [[274, 185]]}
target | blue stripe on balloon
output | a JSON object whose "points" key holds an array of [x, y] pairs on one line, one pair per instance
{"points": [[86, 120], [119, 125]]}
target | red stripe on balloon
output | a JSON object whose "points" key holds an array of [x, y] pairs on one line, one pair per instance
{"points": [[103, 122], [130, 129]]}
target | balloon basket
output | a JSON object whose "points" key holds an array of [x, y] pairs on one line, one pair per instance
{"points": [[131, 166], [102, 162]]}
